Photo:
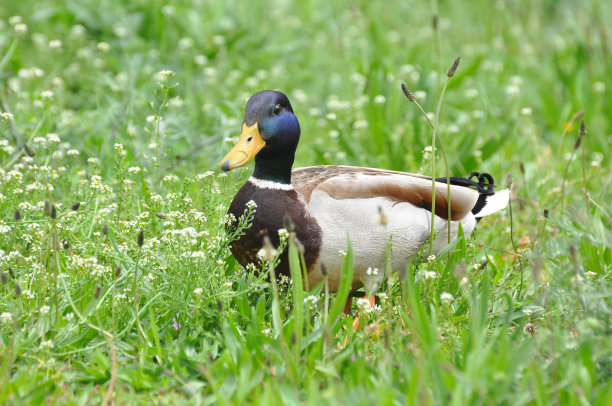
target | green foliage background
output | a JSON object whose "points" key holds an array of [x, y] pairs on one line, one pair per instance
{"points": [[89, 316]]}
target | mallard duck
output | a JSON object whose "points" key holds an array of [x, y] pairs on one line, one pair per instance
{"points": [[329, 204]]}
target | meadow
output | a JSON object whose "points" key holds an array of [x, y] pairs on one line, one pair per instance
{"points": [[117, 284]]}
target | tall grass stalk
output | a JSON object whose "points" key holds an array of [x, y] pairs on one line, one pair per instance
{"points": [[411, 98]]}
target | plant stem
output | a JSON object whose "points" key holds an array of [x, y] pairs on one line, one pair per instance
{"points": [[445, 163], [433, 170]]}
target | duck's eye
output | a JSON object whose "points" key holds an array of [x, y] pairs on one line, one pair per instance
{"points": [[277, 109]]}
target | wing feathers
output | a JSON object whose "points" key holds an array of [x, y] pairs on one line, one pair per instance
{"points": [[356, 183]]}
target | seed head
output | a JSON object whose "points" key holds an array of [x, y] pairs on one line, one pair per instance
{"points": [[53, 212], [105, 229], [29, 150], [582, 128], [97, 291], [407, 93], [117, 271], [65, 243], [140, 240], [161, 215], [578, 115], [509, 179], [11, 272], [451, 71], [573, 253], [3, 277], [47, 209], [546, 213], [324, 271], [219, 305], [522, 168], [17, 290], [578, 141], [529, 328], [483, 264], [17, 215], [76, 206]]}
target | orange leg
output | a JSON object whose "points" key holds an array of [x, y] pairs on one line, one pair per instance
{"points": [[348, 306]]}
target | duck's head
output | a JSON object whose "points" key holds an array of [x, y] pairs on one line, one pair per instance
{"points": [[270, 134]]}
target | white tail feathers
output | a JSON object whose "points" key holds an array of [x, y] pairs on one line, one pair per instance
{"points": [[494, 203]]}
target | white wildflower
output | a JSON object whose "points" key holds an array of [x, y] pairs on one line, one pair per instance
{"points": [[446, 298], [14, 20], [55, 44], [198, 291], [599, 87], [471, 93], [170, 178], [431, 259], [360, 124], [6, 318], [364, 305], [251, 205], [53, 138], [47, 95], [103, 47], [7, 116], [420, 94], [379, 99], [45, 309], [200, 60], [311, 299], [204, 175], [21, 29], [166, 73], [513, 90]]}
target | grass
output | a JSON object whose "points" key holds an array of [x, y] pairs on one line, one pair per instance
{"points": [[117, 283]]}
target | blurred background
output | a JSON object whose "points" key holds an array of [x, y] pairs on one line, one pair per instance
{"points": [[527, 67]]}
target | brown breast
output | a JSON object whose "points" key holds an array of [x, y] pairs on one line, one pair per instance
{"points": [[272, 207]]}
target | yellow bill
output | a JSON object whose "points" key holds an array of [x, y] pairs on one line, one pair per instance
{"points": [[249, 144]]}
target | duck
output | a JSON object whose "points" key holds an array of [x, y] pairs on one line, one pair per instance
{"points": [[331, 206]]}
